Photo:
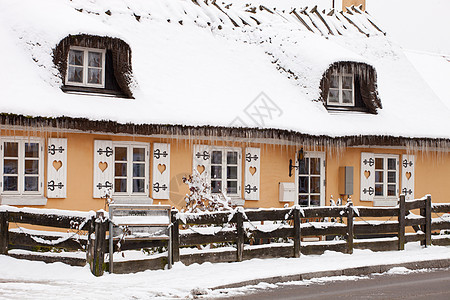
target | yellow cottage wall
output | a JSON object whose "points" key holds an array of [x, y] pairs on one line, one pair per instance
{"points": [[432, 170]]}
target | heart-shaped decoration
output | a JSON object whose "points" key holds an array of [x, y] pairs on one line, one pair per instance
{"points": [[103, 166], [252, 170], [57, 164], [161, 168], [201, 169], [367, 174], [408, 175]]}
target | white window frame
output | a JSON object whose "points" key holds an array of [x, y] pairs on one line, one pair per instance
{"points": [[224, 169], [312, 154], [341, 98], [130, 146], [85, 67], [385, 176], [22, 197]]}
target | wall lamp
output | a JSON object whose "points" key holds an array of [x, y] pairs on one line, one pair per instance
{"points": [[300, 157]]}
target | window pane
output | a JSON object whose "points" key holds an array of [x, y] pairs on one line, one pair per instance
{"points": [[31, 166], [31, 150], [303, 184], [138, 154], [216, 157], [304, 166], [392, 177], [95, 59], [391, 190], [138, 185], [138, 170], [11, 150], [120, 185], [314, 166], [379, 163], [333, 96], [347, 82], [10, 183], [392, 163], [334, 82], [232, 172], [232, 158], [216, 186], [120, 154], [216, 172], [76, 57], [10, 166], [120, 169], [347, 97], [95, 76], [75, 74], [232, 187], [31, 183], [315, 200], [303, 200], [378, 190], [379, 176], [315, 184]]}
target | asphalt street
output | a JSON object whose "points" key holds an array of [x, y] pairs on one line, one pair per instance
{"points": [[430, 285]]}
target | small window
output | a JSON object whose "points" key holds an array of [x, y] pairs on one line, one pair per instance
{"points": [[225, 171], [341, 91], [131, 167], [86, 67], [22, 167], [386, 176]]}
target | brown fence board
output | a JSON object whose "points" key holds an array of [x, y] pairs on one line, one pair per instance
{"points": [[414, 204], [414, 237], [415, 222], [322, 212], [212, 257], [52, 220], [440, 225], [440, 241], [331, 230], [190, 239], [19, 240], [269, 214], [375, 228], [387, 245], [440, 208], [207, 218], [277, 233], [319, 248], [377, 212], [73, 261]]}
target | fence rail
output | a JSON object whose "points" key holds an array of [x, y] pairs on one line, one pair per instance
{"points": [[243, 234]]}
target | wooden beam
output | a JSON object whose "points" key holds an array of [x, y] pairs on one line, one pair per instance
{"points": [[401, 223]]}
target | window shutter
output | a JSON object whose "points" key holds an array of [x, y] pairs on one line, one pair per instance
{"points": [[252, 177], [408, 164], [202, 161], [367, 176], [103, 168], [56, 168], [161, 171]]}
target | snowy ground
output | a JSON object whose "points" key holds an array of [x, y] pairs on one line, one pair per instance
{"points": [[20, 279]]}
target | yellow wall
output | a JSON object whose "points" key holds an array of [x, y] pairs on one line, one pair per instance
{"points": [[432, 172], [348, 3]]}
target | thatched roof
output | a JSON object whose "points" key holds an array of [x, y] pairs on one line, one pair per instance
{"points": [[198, 64]]}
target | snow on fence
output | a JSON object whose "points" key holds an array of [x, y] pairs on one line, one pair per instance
{"points": [[239, 234]]}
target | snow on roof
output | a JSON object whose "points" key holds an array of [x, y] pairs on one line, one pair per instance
{"points": [[197, 63]]}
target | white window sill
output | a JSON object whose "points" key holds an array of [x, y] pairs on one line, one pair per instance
{"points": [[132, 200], [23, 200], [237, 201], [384, 202]]}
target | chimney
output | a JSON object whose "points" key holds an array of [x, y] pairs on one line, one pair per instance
{"points": [[348, 3]]}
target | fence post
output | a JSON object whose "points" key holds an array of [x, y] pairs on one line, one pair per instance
{"points": [[297, 231], [427, 216], [350, 228], [175, 236], [240, 234], [4, 232], [401, 222], [98, 245]]}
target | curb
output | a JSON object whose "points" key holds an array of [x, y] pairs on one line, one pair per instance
{"points": [[357, 271]]}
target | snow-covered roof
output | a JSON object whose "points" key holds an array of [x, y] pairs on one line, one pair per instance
{"points": [[230, 64]]}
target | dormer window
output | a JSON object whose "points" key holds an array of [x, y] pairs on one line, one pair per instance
{"points": [[350, 86], [341, 91], [94, 65], [86, 67]]}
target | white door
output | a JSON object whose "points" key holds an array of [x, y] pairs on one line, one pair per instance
{"points": [[310, 179]]}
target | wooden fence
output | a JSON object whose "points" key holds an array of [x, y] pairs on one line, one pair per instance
{"points": [[241, 234]]}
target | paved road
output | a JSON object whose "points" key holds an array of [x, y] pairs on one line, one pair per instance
{"points": [[433, 285]]}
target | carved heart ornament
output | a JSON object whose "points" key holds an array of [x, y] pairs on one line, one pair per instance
{"points": [[161, 168], [252, 170], [367, 174], [103, 166], [408, 175], [57, 164], [201, 169]]}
